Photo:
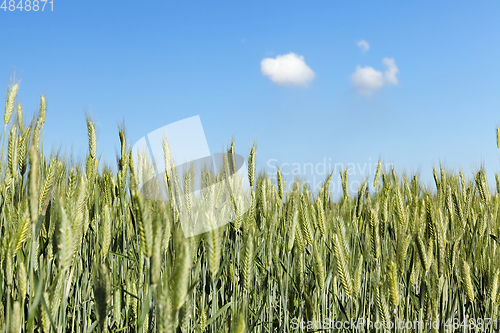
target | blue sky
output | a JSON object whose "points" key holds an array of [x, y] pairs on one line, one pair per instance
{"points": [[151, 63]]}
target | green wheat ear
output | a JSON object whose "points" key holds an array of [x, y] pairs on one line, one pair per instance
{"points": [[123, 148], [467, 281], [358, 277], [393, 285], [9, 103], [248, 260], [305, 223], [23, 151], [377, 174], [19, 112], [493, 288], [43, 109], [145, 224], [15, 319], [342, 265], [281, 185], [33, 182], [23, 232], [251, 166], [48, 186], [92, 138], [12, 151], [214, 249], [321, 215], [383, 309], [105, 232], [374, 236], [319, 269], [66, 241], [345, 183], [180, 278]]}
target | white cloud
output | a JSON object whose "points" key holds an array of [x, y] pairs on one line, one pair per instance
{"points": [[367, 80], [363, 45], [288, 69], [392, 70]]}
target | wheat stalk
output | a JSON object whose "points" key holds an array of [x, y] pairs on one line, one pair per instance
{"points": [[251, 166], [180, 276], [342, 266], [214, 248], [319, 269], [248, 260], [92, 138], [9, 103], [393, 285]]}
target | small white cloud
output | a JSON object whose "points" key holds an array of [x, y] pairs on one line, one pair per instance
{"points": [[288, 69], [363, 45], [367, 80]]}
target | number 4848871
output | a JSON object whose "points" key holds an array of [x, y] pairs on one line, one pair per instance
{"points": [[27, 5]]}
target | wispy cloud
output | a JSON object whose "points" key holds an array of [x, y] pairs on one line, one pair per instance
{"points": [[392, 71], [363, 45], [367, 80], [288, 69]]}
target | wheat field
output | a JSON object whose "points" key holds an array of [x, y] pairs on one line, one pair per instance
{"points": [[82, 251]]}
